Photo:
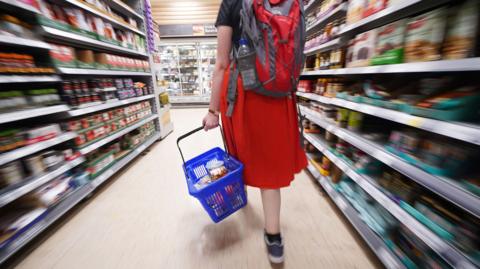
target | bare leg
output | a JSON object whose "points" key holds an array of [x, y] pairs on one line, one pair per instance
{"points": [[271, 210]]}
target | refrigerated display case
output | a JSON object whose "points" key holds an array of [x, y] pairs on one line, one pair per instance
{"points": [[186, 71]]}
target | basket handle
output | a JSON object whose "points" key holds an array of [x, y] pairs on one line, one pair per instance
{"points": [[194, 131]]}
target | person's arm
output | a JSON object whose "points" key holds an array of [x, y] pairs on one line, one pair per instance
{"points": [[224, 46]]}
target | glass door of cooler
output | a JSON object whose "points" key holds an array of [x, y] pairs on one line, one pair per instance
{"points": [[168, 75], [207, 63], [188, 65]]}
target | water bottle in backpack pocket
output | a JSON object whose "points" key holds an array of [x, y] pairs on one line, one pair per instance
{"points": [[246, 65]]}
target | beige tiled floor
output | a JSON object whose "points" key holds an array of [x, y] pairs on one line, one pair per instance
{"points": [[145, 219]]}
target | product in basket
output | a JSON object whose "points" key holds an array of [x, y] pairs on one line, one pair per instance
{"points": [[390, 41], [425, 35], [461, 40]]}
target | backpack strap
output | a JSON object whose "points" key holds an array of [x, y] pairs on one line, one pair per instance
{"points": [[232, 89]]}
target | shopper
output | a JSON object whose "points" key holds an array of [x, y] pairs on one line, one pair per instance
{"points": [[262, 132]]}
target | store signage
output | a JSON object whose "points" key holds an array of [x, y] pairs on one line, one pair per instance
{"points": [[185, 30]]}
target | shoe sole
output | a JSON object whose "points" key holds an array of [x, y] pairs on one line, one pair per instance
{"points": [[276, 259]]}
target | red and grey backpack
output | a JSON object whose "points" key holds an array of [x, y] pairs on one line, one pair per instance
{"points": [[275, 30]]}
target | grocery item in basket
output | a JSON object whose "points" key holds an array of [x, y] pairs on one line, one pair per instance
{"points": [[363, 49], [425, 35], [462, 40], [389, 47], [216, 169], [374, 6], [355, 10]]}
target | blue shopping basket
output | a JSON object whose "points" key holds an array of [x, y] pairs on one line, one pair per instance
{"points": [[224, 196]]}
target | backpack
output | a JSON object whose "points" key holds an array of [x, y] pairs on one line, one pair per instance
{"points": [[275, 30]]}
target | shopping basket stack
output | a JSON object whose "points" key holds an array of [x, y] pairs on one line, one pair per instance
{"points": [[220, 197]]}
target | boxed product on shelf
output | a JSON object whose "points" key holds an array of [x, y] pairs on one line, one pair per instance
{"points": [[461, 39], [21, 63], [374, 6], [85, 58], [389, 47], [424, 36], [363, 49], [63, 56], [356, 8]]}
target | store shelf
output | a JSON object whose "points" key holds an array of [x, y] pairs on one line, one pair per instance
{"points": [[83, 111], [23, 42], [449, 253], [27, 150], [46, 221], [470, 64], [76, 39], [107, 17], [99, 72], [123, 8], [395, 12], [123, 162], [116, 135], [31, 113], [68, 203], [441, 186], [312, 4], [335, 13], [330, 45], [11, 193], [28, 78], [377, 245], [461, 131], [18, 7]]}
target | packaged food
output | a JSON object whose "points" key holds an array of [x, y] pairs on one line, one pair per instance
{"points": [[11, 173], [63, 56], [216, 169], [34, 165], [363, 49], [85, 58], [389, 47], [355, 121], [342, 117], [51, 159], [461, 39], [356, 8], [425, 35], [374, 6]]}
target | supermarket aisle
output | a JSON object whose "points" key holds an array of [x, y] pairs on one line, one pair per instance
{"points": [[145, 219]]}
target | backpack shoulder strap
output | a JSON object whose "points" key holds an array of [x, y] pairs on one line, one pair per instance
{"points": [[232, 89]]}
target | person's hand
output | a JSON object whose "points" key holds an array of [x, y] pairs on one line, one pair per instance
{"points": [[210, 121]]}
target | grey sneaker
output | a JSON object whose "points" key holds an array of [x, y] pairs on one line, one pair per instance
{"points": [[275, 250]]}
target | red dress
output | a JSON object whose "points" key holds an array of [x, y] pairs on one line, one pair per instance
{"points": [[263, 134]]}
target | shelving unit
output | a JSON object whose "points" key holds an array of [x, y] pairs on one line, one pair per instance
{"points": [[462, 131], [14, 192], [335, 13], [32, 113], [108, 105], [373, 240], [30, 149], [100, 72], [60, 113], [442, 186], [451, 190], [463, 65], [23, 42], [444, 249], [73, 38], [29, 78], [116, 135], [106, 17]]}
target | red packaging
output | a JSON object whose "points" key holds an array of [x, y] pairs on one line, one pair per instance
{"points": [[374, 6]]}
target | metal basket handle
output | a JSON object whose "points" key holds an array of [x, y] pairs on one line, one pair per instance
{"points": [[194, 131]]}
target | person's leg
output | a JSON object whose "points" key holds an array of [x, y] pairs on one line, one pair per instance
{"points": [[271, 210]]}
